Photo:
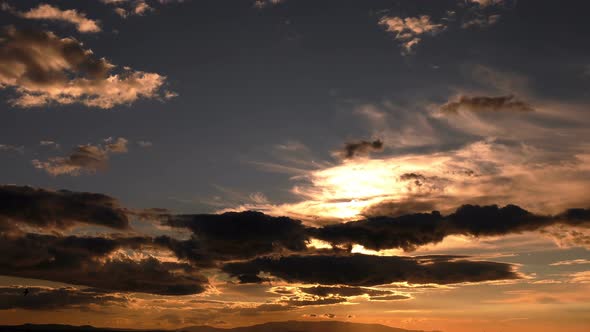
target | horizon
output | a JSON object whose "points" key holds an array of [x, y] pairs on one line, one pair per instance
{"points": [[418, 164]]}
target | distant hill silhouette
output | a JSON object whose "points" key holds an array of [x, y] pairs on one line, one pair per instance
{"points": [[301, 326], [289, 326]]}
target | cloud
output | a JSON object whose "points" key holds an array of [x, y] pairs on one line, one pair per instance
{"points": [[481, 21], [44, 69], [571, 262], [486, 104], [400, 208], [84, 159], [45, 298], [235, 235], [49, 143], [408, 29], [126, 8], [297, 302], [411, 231], [266, 3], [346, 291], [12, 148], [368, 270], [145, 144], [582, 277], [59, 209], [485, 3], [49, 12], [93, 262], [118, 145], [360, 148]]}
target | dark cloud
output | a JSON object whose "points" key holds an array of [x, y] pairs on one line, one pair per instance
{"points": [[59, 209], [297, 302], [346, 291], [39, 298], [396, 297], [486, 104], [94, 262], [235, 235], [368, 270], [407, 232], [410, 231], [84, 159], [43, 69], [245, 235], [360, 148], [400, 208]]}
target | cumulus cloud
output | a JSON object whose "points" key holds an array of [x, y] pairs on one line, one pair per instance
{"points": [[84, 159], [368, 270], [486, 104], [44, 69], [360, 148], [48, 12], [409, 29], [59, 209]]}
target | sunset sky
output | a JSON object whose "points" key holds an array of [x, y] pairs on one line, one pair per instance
{"points": [[422, 164]]}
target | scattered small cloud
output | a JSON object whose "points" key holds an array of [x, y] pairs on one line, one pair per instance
{"points": [[12, 148], [486, 104], [360, 148], [485, 3], [409, 29], [481, 21], [50, 144], [145, 144], [266, 3], [48, 12], [84, 159]]}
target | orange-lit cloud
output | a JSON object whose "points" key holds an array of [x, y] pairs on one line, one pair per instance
{"points": [[44, 69]]}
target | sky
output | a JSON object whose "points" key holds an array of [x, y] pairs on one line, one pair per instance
{"points": [[421, 164]]}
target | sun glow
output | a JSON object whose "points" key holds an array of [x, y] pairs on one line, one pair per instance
{"points": [[347, 190]]}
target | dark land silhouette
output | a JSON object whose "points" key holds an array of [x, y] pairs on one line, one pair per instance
{"points": [[288, 326]]}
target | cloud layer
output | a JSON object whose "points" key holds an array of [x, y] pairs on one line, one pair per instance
{"points": [[59, 209], [367, 270]]}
